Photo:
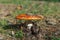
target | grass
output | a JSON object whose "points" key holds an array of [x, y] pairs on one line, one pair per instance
{"points": [[3, 22], [52, 38]]}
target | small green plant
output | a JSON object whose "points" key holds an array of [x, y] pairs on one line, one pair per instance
{"points": [[19, 34], [3, 22], [51, 38], [55, 38]]}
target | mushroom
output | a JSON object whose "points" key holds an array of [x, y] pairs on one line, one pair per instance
{"points": [[29, 18], [31, 26]]}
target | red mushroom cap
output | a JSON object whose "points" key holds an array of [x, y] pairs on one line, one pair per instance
{"points": [[29, 17]]}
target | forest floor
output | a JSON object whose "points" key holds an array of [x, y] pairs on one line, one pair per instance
{"points": [[50, 25]]}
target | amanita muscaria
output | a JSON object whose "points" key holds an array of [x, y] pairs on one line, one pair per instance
{"points": [[29, 18], [30, 25]]}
